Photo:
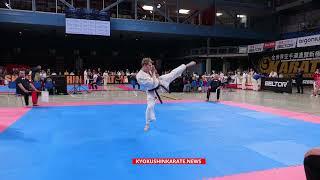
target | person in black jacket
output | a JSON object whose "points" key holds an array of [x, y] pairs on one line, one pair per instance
{"points": [[299, 80], [312, 164], [24, 87], [214, 86]]}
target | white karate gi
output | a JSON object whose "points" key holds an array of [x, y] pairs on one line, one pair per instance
{"points": [[105, 78], [147, 82], [85, 77], [244, 80]]}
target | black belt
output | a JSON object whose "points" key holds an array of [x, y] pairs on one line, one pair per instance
{"points": [[155, 89]]}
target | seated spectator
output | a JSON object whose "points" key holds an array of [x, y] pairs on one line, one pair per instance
{"points": [[186, 84], [25, 87]]}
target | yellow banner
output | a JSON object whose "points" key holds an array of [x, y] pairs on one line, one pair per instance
{"points": [[288, 68]]}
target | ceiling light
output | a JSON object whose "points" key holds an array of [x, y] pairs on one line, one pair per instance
{"points": [[147, 8], [241, 16], [184, 11], [219, 14]]}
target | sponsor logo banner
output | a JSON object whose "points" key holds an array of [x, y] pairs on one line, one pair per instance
{"points": [[286, 44], [309, 41], [277, 84], [269, 45], [255, 48]]}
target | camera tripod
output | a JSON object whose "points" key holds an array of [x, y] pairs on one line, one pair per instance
{"points": [[77, 87]]}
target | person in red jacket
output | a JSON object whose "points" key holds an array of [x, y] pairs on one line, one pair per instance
{"points": [[316, 85]]}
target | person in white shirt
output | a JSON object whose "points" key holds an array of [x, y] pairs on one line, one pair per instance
{"points": [[250, 77], [95, 78], [85, 77], [43, 75], [273, 74], [255, 81], [244, 80], [150, 82], [105, 78]]}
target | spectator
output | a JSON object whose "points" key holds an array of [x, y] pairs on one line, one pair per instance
{"points": [[25, 87], [214, 86], [312, 164], [105, 78], [316, 84], [35, 74], [299, 81], [66, 73]]}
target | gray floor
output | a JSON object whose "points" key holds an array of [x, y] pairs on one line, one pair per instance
{"points": [[294, 102]]}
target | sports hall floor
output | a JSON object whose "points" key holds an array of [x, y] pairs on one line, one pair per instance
{"points": [[93, 136]]}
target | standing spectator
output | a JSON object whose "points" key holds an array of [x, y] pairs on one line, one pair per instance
{"points": [[43, 75], [105, 78], [244, 80], [250, 76], [85, 76], [94, 80], [299, 81], [66, 73], [35, 75], [255, 81], [316, 84]]}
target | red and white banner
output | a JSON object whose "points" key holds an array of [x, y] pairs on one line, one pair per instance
{"points": [[269, 45], [309, 41], [255, 48], [286, 44], [145, 161]]}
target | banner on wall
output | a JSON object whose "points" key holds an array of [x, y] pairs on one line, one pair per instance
{"points": [[255, 48], [243, 50], [269, 45], [288, 62], [286, 44], [309, 41]]}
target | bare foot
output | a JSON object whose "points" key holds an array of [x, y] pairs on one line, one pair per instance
{"points": [[192, 63], [146, 128]]}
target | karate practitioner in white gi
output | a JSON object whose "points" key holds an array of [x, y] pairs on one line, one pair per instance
{"points": [[150, 82]]}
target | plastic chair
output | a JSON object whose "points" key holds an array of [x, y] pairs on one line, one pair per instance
{"points": [[13, 85], [48, 85]]}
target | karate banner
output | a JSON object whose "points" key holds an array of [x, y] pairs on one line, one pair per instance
{"points": [[287, 62]]}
